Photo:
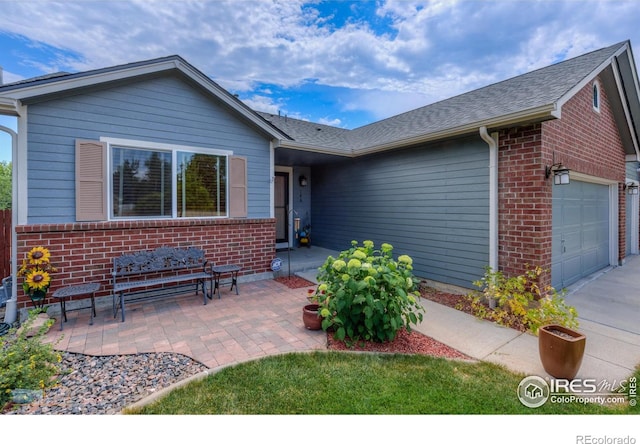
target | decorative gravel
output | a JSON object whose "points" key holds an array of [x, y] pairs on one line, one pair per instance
{"points": [[93, 385]]}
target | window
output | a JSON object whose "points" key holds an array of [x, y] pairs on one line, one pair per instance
{"points": [[202, 185], [596, 96], [117, 178], [160, 183]]}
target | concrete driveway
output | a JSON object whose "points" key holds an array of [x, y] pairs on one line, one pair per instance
{"points": [[610, 298]]}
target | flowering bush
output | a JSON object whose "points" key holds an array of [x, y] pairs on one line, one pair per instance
{"points": [[36, 269], [26, 361], [520, 301], [365, 294]]}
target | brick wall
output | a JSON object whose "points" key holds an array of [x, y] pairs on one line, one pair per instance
{"points": [[84, 252], [584, 141], [524, 210]]}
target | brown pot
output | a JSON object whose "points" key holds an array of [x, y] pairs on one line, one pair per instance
{"points": [[310, 317], [561, 350]]}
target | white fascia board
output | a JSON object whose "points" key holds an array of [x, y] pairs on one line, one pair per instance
{"points": [[89, 80], [299, 146], [542, 112], [625, 106], [588, 79]]}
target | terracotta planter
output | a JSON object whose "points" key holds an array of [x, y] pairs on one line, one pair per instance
{"points": [[310, 317], [561, 350]]}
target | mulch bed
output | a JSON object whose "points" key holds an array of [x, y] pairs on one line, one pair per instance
{"points": [[405, 342], [294, 281]]}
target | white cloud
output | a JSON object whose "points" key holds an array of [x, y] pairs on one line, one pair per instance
{"points": [[330, 121], [433, 49], [9, 77]]}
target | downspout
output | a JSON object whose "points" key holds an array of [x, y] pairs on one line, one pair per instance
{"points": [[493, 195]]}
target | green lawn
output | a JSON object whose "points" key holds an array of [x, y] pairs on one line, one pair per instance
{"points": [[359, 383]]}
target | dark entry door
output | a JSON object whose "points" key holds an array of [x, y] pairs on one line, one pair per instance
{"points": [[281, 203]]}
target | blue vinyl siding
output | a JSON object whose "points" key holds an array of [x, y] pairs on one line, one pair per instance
{"points": [[632, 170], [430, 202], [162, 109]]}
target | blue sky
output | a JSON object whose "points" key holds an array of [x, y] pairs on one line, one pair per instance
{"points": [[340, 63]]}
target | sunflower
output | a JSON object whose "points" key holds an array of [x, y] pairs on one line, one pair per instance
{"points": [[38, 280], [38, 255]]}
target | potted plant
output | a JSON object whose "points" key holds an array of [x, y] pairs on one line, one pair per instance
{"points": [[561, 350], [561, 347], [36, 269], [310, 312]]}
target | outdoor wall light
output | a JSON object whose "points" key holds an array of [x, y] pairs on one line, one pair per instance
{"points": [[303, 181], [632, 188], [560, 173]]}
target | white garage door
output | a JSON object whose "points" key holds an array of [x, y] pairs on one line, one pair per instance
{"points": [[580, 231]]}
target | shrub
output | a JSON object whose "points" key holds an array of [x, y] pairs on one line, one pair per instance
{"points": [[365, 294], [27, 362], [520, 302]]}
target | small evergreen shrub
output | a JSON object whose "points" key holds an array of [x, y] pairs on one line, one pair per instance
{"points": [[365, 294], [27, 362]]}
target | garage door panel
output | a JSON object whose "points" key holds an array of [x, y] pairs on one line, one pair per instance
{"points": [[580, 231], [572, 268]]}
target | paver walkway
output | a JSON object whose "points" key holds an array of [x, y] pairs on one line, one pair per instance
{"points": [[264, 319]]}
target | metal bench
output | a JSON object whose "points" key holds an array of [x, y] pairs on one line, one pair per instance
{"points": [[148, 274]]}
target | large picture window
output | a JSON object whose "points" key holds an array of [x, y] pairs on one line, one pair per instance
{"points": [[167, 183]]}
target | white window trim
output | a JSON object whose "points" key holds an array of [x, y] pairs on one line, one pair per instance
{"points": [[596, 87], [173, 149]]}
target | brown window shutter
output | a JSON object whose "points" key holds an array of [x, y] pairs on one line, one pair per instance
{"points": [[237, 186], [91, 180]]}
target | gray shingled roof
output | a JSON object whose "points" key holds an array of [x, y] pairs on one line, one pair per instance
{"points": [[310, 133], [527, 92]]}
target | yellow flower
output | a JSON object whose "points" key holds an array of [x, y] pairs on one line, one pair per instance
{"points": [[409, 282], [38, 280], [359, 255], [405, 259], [354, 263], [339, 265], [39, 255]]}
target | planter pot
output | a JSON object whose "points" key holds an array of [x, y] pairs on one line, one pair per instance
{"points": [[561, 350], [310, 317]]}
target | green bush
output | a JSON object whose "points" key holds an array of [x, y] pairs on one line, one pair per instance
{"points": [[520, 301], [365, 294], [27, 362]]}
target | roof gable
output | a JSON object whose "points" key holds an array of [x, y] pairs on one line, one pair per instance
{"points": [[66, 83]]}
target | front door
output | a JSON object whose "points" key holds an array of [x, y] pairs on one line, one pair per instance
{"points": [[281, 204]]}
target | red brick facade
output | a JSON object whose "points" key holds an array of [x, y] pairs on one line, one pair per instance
{"points": [[84, 252], [583, 140]]}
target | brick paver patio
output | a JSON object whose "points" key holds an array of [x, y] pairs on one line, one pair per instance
{"points": [[264, 319]]}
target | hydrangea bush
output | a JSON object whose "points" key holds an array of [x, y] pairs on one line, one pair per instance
{"points": [[365, 294]]}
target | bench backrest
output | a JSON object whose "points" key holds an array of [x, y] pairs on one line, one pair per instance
{"points": [[160, 259]]}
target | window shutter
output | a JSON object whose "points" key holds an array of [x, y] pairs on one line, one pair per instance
{"points": [[237, 186], [91, 180]]}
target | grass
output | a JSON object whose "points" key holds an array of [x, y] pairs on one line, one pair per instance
{"points": [[359, 383]]}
